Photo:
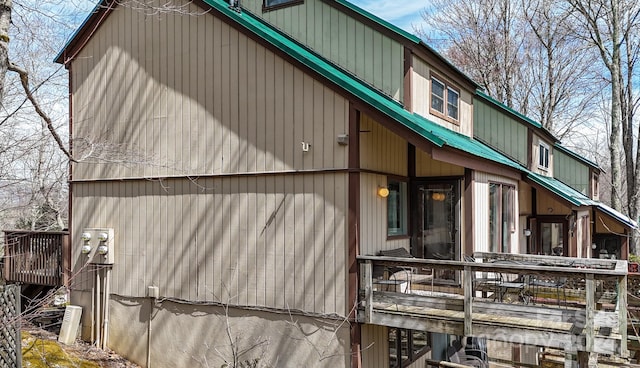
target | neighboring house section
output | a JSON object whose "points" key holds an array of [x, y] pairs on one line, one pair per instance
{"points": [[243, 161], [576, 171]]}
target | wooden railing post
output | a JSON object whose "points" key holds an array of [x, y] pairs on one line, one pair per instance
{"points": [[621, 307], [590, 290], [366, 287], [468, 301]]}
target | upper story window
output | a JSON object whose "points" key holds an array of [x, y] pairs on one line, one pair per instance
{"points": [[445, 100], [543, 156], [502, 217], [275, 4], [397, 208]]}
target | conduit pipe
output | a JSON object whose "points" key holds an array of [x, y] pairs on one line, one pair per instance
{"points": [[97, 311], [105, 308]]}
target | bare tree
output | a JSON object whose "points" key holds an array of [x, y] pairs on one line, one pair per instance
{"points": [[612, 27], [523, 54], [481, 38]]}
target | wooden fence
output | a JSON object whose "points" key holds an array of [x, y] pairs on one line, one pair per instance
{"points": [[37, 258]]}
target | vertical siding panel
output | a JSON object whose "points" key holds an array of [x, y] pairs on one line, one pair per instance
{"points": [[243, 106], [299, 114], [233, 95], [329, 126], [263, 268], [289, 119], [329, 235], [226, 92], [216, 237], [240, 245], [251, 106], [209, 95], [252, 247], [270, 100], [261, 105], [318, 121], [281, 93]]}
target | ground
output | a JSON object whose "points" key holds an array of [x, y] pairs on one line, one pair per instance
{"points": [[41, 348]]}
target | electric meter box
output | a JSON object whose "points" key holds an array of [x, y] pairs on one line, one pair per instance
{"points": [[97, 244]]}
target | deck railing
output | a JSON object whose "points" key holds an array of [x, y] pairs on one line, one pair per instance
{"points": [[592, 317], [36, 257]]}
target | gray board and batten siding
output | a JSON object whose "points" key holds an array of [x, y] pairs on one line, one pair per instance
{"points": [[214, 197]]}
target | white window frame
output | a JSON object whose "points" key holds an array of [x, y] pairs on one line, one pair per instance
{"points": [[447, 113], [544, 155], [506, 213], [397, 206]]}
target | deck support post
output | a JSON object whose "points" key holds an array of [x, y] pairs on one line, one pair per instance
{"points": [[468, 301], [590, 295], [621, 308], [570, 359], [366, 290]]}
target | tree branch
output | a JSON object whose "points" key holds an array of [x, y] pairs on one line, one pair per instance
{"points": [[24, 80]]}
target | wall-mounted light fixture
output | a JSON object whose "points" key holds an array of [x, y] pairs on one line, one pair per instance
{"points": [[526, 232], [343, 139], [383, 192], [437, 196], [593, 246]]}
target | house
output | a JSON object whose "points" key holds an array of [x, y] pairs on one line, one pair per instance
{"points": [[237, 159]]}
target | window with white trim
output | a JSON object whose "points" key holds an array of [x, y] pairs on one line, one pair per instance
{"points": [[502, 219], [445, 99], [397, 208], [543, 156]]}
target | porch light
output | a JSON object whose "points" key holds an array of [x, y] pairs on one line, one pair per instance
{"points": [[383, 192], [438, 196], [527, 232]]}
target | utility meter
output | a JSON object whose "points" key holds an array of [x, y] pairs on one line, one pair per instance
{"points": [[97, 244]]}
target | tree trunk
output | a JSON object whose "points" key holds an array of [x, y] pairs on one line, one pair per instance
{"points": [[616, 101], [5, 22]]}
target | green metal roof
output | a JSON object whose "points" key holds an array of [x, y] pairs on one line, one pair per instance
{"points": [[578, 199], [432, 132], [559, 188]]}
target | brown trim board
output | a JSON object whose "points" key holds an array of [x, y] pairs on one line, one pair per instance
{"points": [[353, 219]]}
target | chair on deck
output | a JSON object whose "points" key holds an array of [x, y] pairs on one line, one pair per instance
{"points": [[456, 353], [488, 280], [401, 275], [537, 282]]}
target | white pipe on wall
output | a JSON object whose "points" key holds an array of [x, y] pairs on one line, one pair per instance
{"points": [[97, 311], [107, 290]]}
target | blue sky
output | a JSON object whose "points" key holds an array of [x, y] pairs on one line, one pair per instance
{"points": [[404, 14]]}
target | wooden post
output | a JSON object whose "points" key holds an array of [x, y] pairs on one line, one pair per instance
{"points": [[366, 286], [468, 301], [590, 290], [622, 315]]}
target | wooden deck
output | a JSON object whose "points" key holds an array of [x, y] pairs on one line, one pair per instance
{"points": [[37, 258], [592, 319]]}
